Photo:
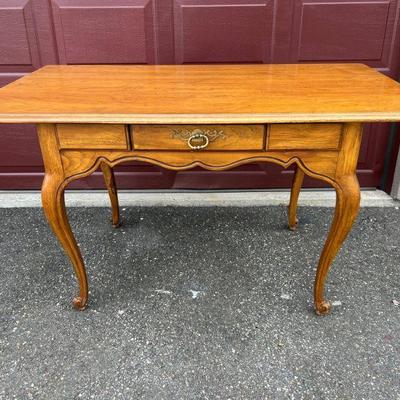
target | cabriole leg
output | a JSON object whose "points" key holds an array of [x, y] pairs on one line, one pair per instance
{"points": [[294, 197], [347, 206], [109, 180], [54, 207]]}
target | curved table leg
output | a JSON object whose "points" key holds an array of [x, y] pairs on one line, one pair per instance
{"points": [[54, 209], [294, 197], [347, 206], [347, 189], [109, 180]]}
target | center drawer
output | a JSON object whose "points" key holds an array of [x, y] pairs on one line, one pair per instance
{"points": [[198, 137]]}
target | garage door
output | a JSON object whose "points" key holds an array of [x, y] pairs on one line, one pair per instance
{"points": [[34, 33]]}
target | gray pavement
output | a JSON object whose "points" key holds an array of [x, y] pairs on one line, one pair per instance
{"points": [[199, 303]]}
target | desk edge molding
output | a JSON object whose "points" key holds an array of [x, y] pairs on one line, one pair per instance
{"points": [[197, 118]]}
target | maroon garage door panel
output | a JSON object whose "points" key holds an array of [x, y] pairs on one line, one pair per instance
{"points": [[211, 31], [39, 32], [107, 32]]}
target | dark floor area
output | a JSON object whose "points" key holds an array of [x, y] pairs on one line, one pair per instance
{"points": [[199, 303]]}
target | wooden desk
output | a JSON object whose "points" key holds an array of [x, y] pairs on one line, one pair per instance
{"points": [[212, 116]]}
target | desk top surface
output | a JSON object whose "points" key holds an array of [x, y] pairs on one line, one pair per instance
{"points": [[202, 94]]}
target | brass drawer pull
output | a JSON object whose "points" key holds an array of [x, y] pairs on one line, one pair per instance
{"points": [[198, 139], [198, 136]]}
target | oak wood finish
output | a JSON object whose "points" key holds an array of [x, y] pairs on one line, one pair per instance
{"points": [[79, 163], [81, 136], [175, 137], [312, 115], [304, 136], [294, 197], [109, 180], [54, 207], [212, 94], [347, 206]]}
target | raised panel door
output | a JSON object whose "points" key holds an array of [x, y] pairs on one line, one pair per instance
{"points": [[354, 31], [104, 31], [223, 31], [18, 42]]}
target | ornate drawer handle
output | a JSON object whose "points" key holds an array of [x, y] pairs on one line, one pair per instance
{"points": [[197, 134], [204, 136]]}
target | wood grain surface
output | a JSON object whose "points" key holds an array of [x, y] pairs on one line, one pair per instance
{"points": [[221, 137], [304, 136], [92, 136], [202, 93]]}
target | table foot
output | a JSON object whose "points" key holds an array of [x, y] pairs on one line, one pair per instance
{"points": [[79, 303], [323, 308], [293, 227]]}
